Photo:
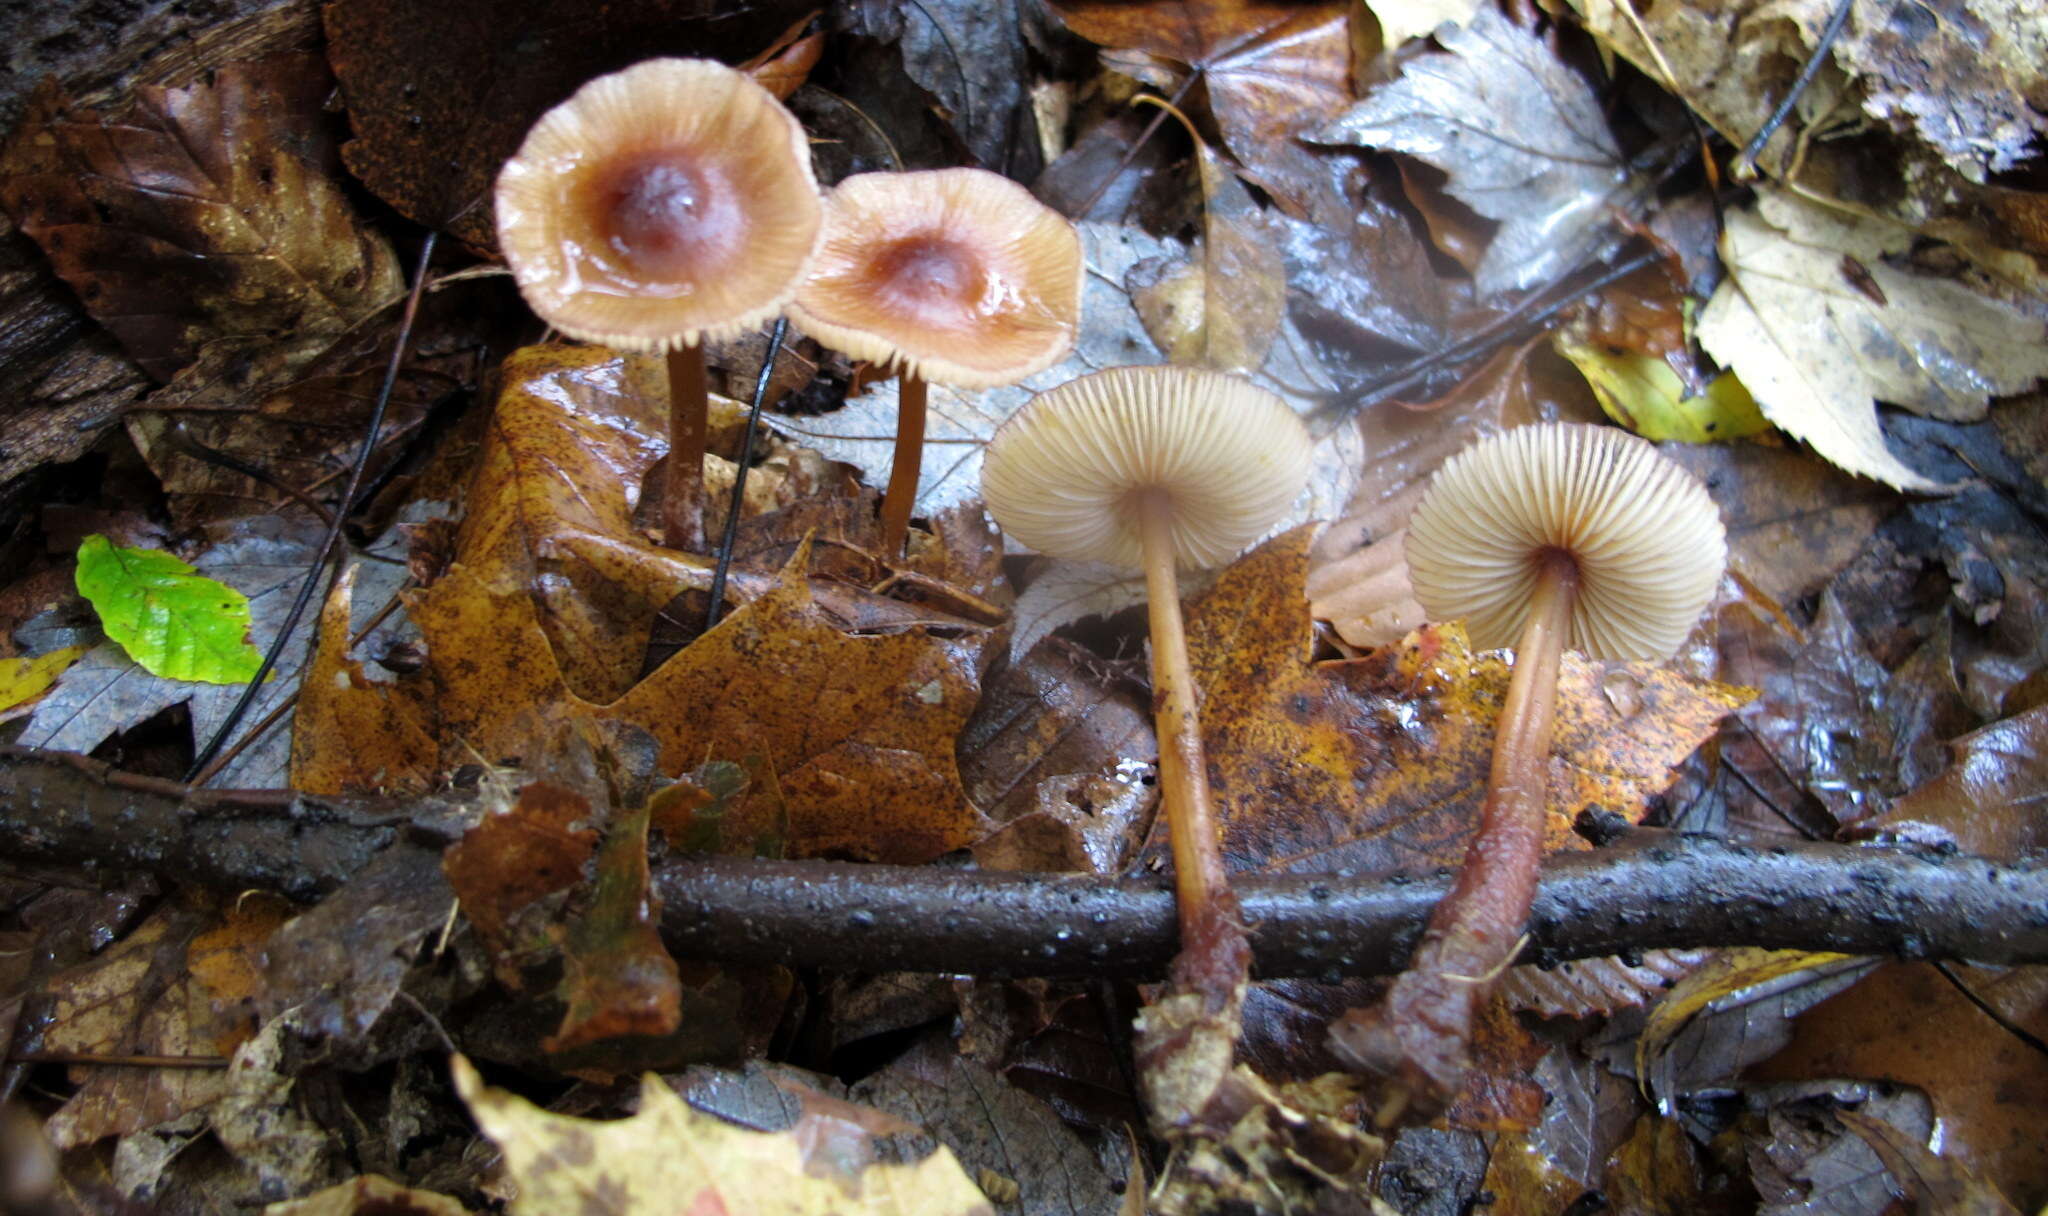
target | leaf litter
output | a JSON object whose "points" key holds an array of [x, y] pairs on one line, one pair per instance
{"points": [[963, 703]]}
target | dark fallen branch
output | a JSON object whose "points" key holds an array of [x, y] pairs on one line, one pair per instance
{"points": [[1649, 890]]}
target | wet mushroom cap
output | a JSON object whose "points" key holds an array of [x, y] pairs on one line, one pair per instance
{"points": [[660, 206], [1645, 534], [1063, 474], [956, 275]]}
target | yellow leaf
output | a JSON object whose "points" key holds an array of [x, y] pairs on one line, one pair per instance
{"points": [[1728, 974], [670, 1159], [24, 679], [1643, 394]]}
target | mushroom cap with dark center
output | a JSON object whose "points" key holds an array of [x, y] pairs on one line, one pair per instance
{"points": [[659, 206], [956, 275], [1064, 474], [1645, 535]]}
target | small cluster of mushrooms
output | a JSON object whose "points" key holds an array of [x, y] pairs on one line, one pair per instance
{"points": [[674, 203]]}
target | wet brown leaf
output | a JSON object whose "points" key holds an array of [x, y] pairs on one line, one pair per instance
{"points": [[517, 854], [202, 215], [787, 62], [1934, 1183], [440, 95], [1908, 1025], [1989, 800], [1273, 71]]}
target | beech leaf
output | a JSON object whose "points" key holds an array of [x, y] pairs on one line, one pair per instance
{"points": [[1642, 393], [1521, 136], [177, 623], [1819, 326], [670, 1158]]}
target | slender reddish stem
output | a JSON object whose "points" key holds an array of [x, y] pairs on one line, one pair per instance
{"points": [[1422, 1032], [689, 412], [902, 492], [1199, 877]]}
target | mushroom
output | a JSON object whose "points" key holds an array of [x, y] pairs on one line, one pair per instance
{"points": [[657, 208], [950, 276], [1541, 537], [1159, 467]]}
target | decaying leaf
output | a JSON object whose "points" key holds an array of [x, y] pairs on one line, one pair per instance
{"points": [[669, 1158], [202, 216], [1817, 350], [1066, 592], [1401, 20], [1273, 71], [1379, 764], [182, 984], [1934, 1183], [369, 1195], [1988, 801], [1521, 136], [617, 977], [518, 853]]}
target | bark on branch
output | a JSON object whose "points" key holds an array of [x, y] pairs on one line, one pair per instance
{"points": [[1650, 890]]}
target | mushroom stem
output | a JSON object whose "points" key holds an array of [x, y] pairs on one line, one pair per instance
{"points": [[1201, 886], [1421, 1033], [689, 412], [903, 471]]}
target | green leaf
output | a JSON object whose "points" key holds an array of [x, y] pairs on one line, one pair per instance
{"points": [[1643, 394], [177, 624]]}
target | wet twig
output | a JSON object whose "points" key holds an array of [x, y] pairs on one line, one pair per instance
{"points": [[1646, 890]]}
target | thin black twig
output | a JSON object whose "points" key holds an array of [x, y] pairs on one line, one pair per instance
{"points": [[1744, 167], [730, 537], [343, 506]]}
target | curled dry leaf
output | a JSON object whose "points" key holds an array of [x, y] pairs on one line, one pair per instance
{"points": [[670, 1158], [1521, 136], [1817, 350], [617, 977], [1273, 72], [203, 215]]}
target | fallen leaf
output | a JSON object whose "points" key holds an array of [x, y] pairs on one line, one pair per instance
{"points": [[1804, 1161], [1521, 137], [1909, 1026], [264, 557], [1643, 394], [1272, 71], [176, 623], [1989, 801], [1065, 592], [1934, 1183], [201, 216], [369, 1195], [1815, 350], [439, 97], [784, 65], [1965, 75], [1657, 1170], [265, 1127], [1221, 306], [25, 678], [669, 1158], [1733, 1011], [617, 978], [1401, 20], [521, 851], [1379, 764], [970, 59], [142, 997]]}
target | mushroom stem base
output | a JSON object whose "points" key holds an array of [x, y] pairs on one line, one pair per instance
{"points": [[1420, 1035], [689, 412], [903, 470]]}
